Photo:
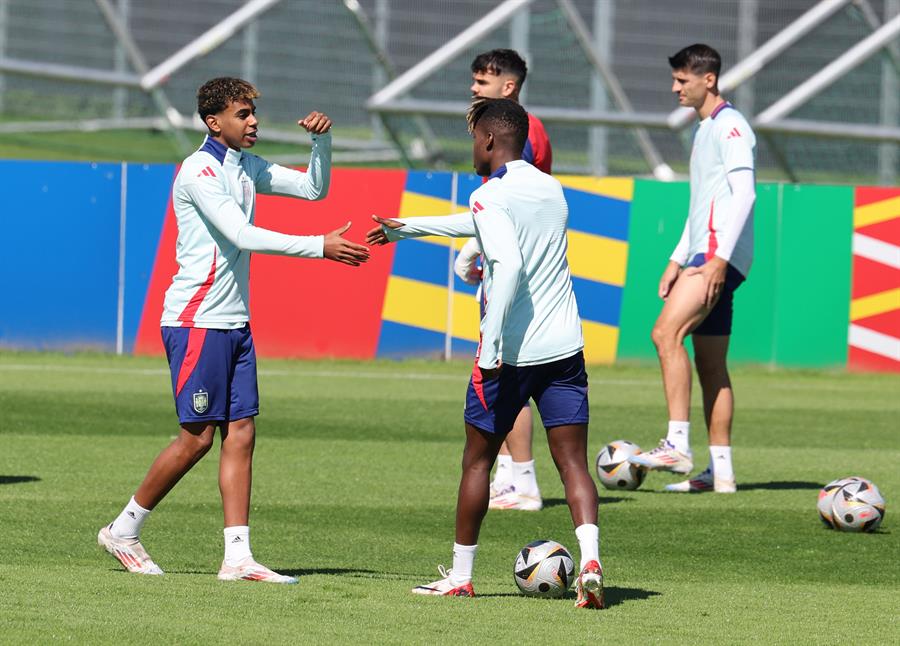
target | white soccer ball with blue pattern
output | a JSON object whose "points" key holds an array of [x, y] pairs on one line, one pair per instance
{"points": [[544, 569], [857, 507], [615, 471]]}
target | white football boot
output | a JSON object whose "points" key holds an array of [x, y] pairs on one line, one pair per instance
{"points": [[509, 498], [664, 457], [129, 552], [444, 588], [704, 481], [250, 570]]}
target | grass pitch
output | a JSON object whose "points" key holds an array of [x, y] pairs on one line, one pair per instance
{"points": [[355, 481]]}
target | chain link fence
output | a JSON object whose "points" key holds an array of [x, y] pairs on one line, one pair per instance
{"points": [[308, 55]]}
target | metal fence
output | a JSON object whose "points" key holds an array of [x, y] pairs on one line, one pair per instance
{"points": [[306, 54]]}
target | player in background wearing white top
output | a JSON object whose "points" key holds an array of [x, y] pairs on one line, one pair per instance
{"points": [[205, 322], [711, 260], [531, 345], [499, 74]]}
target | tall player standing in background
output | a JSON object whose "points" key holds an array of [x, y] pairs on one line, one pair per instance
{"points": [[205, 321], [500, 74], [711, 260]]}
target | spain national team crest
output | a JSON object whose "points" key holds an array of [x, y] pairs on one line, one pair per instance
{"points": [[201, 402]]}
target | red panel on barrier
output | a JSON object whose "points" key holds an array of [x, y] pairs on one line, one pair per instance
{"points": [[870, 194], [149, 340], [318, 308], [870, 277], [299, 307]]}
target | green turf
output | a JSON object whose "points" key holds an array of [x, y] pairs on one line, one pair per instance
{"points": [[355, 477]]}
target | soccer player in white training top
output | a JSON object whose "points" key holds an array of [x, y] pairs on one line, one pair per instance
{"points": [[205, 321], [531, 339], [710, 262], [499, 74]]}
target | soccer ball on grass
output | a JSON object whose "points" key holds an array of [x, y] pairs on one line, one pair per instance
{"points": [[857, 507], [544, 569], [613, 468]]}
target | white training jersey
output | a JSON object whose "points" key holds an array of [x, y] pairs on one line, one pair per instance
{"points": [[214, 197], [520, 218], [723, 143]]}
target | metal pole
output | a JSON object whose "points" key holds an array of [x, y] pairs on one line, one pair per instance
{"points": [[123, 220], [603, 32], [68, 72], [120, 94], [748, 21], [872, 19], [136, 58], [660, 168], [249, 53], [890, 108], [380, 37], [4, 17], [386, 67], [519, 37], [444, 54], [205, 43], [751, 65], [831, 72], [448, 336]]}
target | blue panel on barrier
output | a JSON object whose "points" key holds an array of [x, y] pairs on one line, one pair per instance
{"points": [[430, 183], [398, 340], [149, 187], [598, 214], [61, 254], [427, 262], [598, 301]]}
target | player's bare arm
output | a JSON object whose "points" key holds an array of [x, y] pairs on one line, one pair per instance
{"points": [[315, 123], [377, 235], [341, 250]]}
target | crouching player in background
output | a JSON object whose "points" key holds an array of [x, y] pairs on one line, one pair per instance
{"points": [[205, 321], [531, 345]]}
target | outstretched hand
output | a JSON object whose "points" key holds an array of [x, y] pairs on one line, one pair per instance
{"points": [[341, 250], [316, 123], [377, 235]]}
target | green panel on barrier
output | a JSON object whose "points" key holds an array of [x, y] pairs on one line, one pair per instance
{"points": [[794, 308], [754, 301], [813, 289], [658, 211]]}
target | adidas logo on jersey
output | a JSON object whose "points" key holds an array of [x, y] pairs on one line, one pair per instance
{"points": [[734, 133], [208, 172]]}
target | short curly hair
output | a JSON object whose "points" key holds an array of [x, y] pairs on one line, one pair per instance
{"points": [[215, 95]]}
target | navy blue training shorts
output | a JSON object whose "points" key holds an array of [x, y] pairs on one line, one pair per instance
{"points": [[213, 373], [718, 321], [559, 388]]}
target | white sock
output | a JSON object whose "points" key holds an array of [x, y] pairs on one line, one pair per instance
{"points": [[589, 544], [679, 436], [130, 521], [524, 479], [463, 563], [237, 544], [720, 461], [503, 475]]}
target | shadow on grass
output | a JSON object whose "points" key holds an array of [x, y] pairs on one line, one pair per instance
{"points": [[780, 484], [614, 596], [604, 500], [348, 572], [17, 479]]}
